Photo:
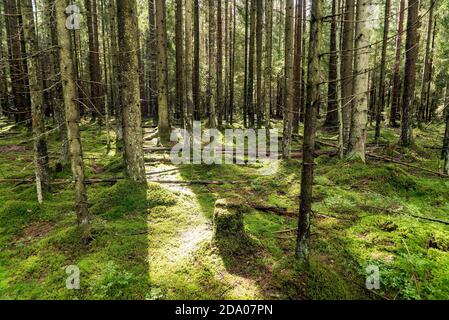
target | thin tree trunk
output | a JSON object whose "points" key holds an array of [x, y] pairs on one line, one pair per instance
{"points": [[332, 112], [96, 85], [381, 98], [268, 60], [347, 67], [152, 58], [289, 84], [245, 77], [219, 64], [37, 100], [412, 51], [259, 46], [180, 84], [396, 86], [251, 52], [196, 64], [212, 97], [188, 63], [426, 70], [313, 82], [161, 35], [73, 118], [298, 65], [445, 152]]}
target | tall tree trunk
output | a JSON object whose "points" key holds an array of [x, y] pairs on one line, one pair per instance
{"points": [[427, 69], [357, 141], [37, 100], [313, 83], [346, 67], [188, 63], [268, 60], [162, 92], [130, 90], [396, 86], [4, 99], [212, 97], [196, 61], [17, 63], [180, 84], [251, 53], [152, 59], [381, 98], [298, 65], [232, 66], [332, 103], [96, 85], [245, 76], [411, 57], [73, 119], [289, 84], [259, 46], [219, 64]]}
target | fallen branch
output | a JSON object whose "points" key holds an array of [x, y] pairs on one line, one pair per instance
{"points": [[200, 182], [431, 219]]}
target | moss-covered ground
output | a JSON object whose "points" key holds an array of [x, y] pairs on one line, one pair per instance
{"points": [[159, 244]]}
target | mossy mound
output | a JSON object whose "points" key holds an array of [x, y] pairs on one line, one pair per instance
{"points": [[228, 218]]}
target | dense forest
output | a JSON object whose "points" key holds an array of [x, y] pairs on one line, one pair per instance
{"points": [[224, 149]]}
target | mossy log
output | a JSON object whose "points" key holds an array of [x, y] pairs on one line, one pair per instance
{"points": [[228, 218]]}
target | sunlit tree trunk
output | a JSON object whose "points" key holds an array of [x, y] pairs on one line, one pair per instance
{"points": [[357, 141], [72, 120]]}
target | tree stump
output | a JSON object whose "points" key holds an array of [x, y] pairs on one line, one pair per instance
{"points": [[228, 218]]}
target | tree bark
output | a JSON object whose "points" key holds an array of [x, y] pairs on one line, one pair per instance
{"points": [[37, 100], [381, 98], [180, 81], [96, 85], [251, 53], [359, 120], [347, 67], [196, 64], [268, 60], [332, 103], [212, 97], [130, 90], [72, 120], [259, 46], [219, 64], [411, 57], [289, 84], [313, 83], [445, 152], [162, 92]]}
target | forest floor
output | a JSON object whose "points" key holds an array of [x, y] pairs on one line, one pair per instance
{"points": [[159, 244]]}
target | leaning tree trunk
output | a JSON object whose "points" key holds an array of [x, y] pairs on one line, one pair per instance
{"points": [[411, 57], [130, 91], [396, 86], [381, 97], [357, 140], [72, 120], [313, 83], [161, 36], [289, 84], [37, 100], [347, 59]]}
